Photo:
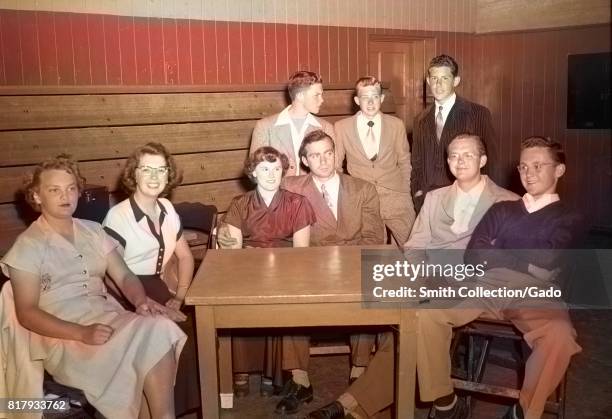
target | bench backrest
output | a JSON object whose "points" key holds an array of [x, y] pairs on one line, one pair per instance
{"points": [[207, 129]]}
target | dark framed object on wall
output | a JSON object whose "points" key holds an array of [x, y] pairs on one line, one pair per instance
{"points": [[588, 91]]}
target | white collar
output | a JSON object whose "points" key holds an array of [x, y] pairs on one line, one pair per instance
{"points": [[331, 182], [473, 193], [533, 205], [446, 106], [285, 119], [363, 120]]}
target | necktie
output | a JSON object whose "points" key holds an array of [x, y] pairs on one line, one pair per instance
{"points": [[326, 195], [371, 149], [439, 123]]}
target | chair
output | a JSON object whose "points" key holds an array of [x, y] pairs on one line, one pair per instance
{"points": [[199, 223], [480, 335]]}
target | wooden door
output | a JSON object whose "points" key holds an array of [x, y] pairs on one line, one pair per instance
{"points": [[402, 63]]}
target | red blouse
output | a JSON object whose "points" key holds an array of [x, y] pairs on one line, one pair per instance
{"points": [[269, 226]]}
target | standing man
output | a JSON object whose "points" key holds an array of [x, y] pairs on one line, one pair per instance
{"points": [[447, 221], [522, 243], [347, 212], [284, 131], [377, 150], [439, 123]]}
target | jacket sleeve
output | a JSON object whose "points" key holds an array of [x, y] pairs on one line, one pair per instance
{"points": [[487, 133], [340, 152], [260, 136], [402, 148], [416, 176]]}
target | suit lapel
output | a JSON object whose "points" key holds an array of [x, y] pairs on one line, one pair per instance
{"points": [[487, 198], [323, 212], [448, 204], [384, 135], [355, 134]]}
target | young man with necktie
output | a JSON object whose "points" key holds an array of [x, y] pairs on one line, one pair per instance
{"points": [[347, 212], [376, 149], [439, 123]]}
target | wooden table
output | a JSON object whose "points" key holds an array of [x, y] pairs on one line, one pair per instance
{"points": [[287, 287]]}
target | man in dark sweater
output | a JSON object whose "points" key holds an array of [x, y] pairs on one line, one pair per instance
{"points": [[545, 226], [436, 126]]}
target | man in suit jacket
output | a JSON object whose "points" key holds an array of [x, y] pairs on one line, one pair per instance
{"points": [[447, 220], [285, 130], [377, 150], [347, 212], [439, 123]]}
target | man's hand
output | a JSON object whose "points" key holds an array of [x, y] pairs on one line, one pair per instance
{"points": [[224, 238], [96, 334], [543, 274]]}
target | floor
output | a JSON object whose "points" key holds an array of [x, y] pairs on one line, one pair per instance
{"points": [[589, 385]]}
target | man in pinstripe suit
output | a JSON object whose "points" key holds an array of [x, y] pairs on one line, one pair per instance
{"points": [[439, 123]]}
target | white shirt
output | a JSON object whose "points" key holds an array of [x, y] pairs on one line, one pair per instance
{"points": [[362, 130], [332, 186], [296, 135], [533, 205], [145, 251], [465, 204], [446, 107]]}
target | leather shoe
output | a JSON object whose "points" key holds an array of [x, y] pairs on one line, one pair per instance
{"points": [[459, 411], [296, 395], [268, 390], [241, 388], [510, 413], [334, 410]]}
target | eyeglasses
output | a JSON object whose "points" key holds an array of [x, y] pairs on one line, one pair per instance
{"points": [[537, 167], [464, 156], [149, 171]]}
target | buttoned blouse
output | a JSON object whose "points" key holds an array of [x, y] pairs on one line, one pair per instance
{"points": [[145, 251], [66, 270]]}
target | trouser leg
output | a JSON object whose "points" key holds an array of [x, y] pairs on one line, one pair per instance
{"points": [[374, 389], [552, 338]]}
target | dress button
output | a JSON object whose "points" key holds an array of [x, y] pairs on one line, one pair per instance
{"points": [[80, 256], [162, 249], [84, 285], [84, 272]]}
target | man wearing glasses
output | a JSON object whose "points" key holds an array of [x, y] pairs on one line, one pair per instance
{"points": [[377, 150], [446, 221], [521, 242]]}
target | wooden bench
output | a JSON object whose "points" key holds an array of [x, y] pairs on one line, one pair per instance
{"points": [[207, 129]]}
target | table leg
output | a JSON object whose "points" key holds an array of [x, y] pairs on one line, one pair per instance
{"points": [[225, 371], [406, 370], [207, 356]]}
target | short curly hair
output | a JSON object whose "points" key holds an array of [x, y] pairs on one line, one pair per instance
{"points": [[269, 154], [444, 60], [31, 181], [128, 178], [302, 80]]}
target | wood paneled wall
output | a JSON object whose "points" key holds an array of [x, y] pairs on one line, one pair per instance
{"points": [[57, 48], [522, 78]]}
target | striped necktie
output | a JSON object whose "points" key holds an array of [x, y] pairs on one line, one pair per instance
{"points": [[439, 123]]}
